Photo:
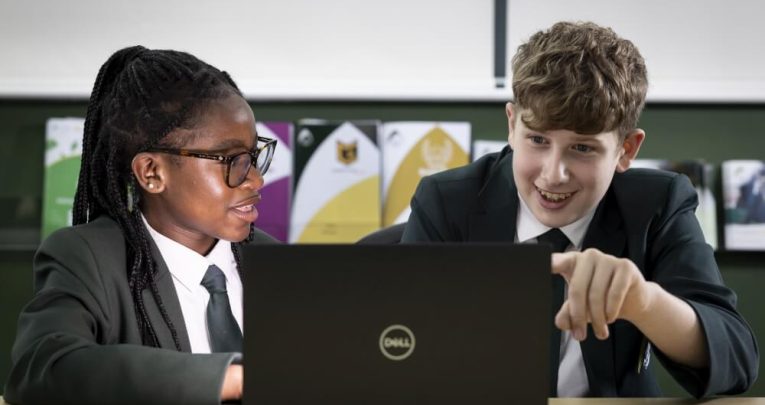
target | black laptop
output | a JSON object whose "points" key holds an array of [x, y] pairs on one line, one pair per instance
{"points": [[396, 324]]}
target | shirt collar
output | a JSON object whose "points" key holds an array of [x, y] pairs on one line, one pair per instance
{"points": [[529, 226], [188, 266]]}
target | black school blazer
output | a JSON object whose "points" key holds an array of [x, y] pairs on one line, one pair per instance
{"points": [[78, 340], [646, 216]]}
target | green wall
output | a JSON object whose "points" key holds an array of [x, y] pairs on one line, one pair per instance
{"points": [[712, 132]]}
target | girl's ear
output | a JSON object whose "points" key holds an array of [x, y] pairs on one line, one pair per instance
{"points": [[149, 171], [629, 150]]}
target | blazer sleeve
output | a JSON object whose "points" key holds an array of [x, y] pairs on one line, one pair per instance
{"points": [[71, 341], [427, 221], [684, 265]]}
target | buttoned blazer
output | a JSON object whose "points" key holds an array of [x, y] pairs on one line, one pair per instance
{"points": [[78, 339], [646, 216]]}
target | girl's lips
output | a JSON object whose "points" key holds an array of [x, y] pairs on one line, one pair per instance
{"points": [[253, 200], [247, 213], [246, 210]]}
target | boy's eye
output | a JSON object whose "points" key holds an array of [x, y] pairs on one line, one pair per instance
{"points": [[583, 148], [537, 139]]}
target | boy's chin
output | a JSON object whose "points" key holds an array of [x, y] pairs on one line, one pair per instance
{"points": [[558, 224], [556, 219]]}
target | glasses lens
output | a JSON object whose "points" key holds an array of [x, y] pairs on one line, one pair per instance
{"points": [[264, 157], [240, 166]]}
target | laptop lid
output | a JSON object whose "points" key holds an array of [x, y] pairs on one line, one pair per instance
{"points": [[430, 323]]}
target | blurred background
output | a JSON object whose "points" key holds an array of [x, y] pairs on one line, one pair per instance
{"points": [[399, 60]]}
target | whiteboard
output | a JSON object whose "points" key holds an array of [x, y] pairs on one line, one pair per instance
{"points": [[280, 49], [696, 50]]}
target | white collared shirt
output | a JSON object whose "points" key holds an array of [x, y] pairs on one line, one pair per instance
{"points": [[572, 375], [187, 268]]}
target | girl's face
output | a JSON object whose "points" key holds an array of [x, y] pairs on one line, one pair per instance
{"points": [[187, 198]]}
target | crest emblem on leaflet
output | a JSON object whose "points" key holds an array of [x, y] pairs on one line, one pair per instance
{"points": [[347, 153]]}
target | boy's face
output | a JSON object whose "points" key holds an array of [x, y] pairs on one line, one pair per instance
{"points": [[562, 175], [191, 202]]}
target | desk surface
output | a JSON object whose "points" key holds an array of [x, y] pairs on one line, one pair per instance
{"points": [[656, 401], [640, 401]]}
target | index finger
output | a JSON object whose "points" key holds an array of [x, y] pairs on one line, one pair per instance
{"points": [[564, 264]]}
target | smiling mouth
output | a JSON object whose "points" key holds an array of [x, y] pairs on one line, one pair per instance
{"points": [[554, 197], [245, 208], [248, 205]]}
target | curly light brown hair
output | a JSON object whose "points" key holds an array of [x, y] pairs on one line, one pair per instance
{"points": [[581, 77]]}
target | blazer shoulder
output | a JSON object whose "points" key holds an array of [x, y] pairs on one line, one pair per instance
{"points": [[90, 250], [650, 176], [261, 237], [643, 194], [646, 184], [102, 235]]}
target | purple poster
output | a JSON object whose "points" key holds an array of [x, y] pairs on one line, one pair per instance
{"points": [[274, 207]]}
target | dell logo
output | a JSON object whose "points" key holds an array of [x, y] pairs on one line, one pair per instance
{"points": [[397, 342]]}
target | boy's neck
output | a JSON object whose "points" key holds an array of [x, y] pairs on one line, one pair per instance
{"points": [[529, 227]]}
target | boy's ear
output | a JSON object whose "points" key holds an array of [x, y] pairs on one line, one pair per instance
{"points": [[511, 114], [148, 169], [629, 149]]}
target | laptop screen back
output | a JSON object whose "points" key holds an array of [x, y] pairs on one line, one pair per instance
{"points": [[436, 323]]}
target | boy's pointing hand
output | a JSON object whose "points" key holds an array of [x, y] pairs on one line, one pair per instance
{"points": [[601, 289]]}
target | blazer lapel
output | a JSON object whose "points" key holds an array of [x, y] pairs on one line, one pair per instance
{"points": [[172, 306], [606, 234], [494, 220]]}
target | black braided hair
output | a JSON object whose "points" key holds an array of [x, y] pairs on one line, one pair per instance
{"points": [[138, 98]]}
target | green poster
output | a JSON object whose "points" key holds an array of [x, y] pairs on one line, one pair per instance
{"points": [[63, 148]]}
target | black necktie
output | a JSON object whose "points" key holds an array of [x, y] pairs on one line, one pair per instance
{"points": [[225, 335], [555, 238]]}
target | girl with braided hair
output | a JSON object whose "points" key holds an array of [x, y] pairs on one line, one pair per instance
{"points": [[124, 309]]}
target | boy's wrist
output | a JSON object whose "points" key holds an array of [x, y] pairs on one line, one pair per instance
{"points": [[643, 303]]}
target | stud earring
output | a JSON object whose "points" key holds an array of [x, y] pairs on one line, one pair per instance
{"points": [[151, 185]]}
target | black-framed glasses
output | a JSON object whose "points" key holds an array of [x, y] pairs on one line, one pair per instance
{"points": [[237, 165]]}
